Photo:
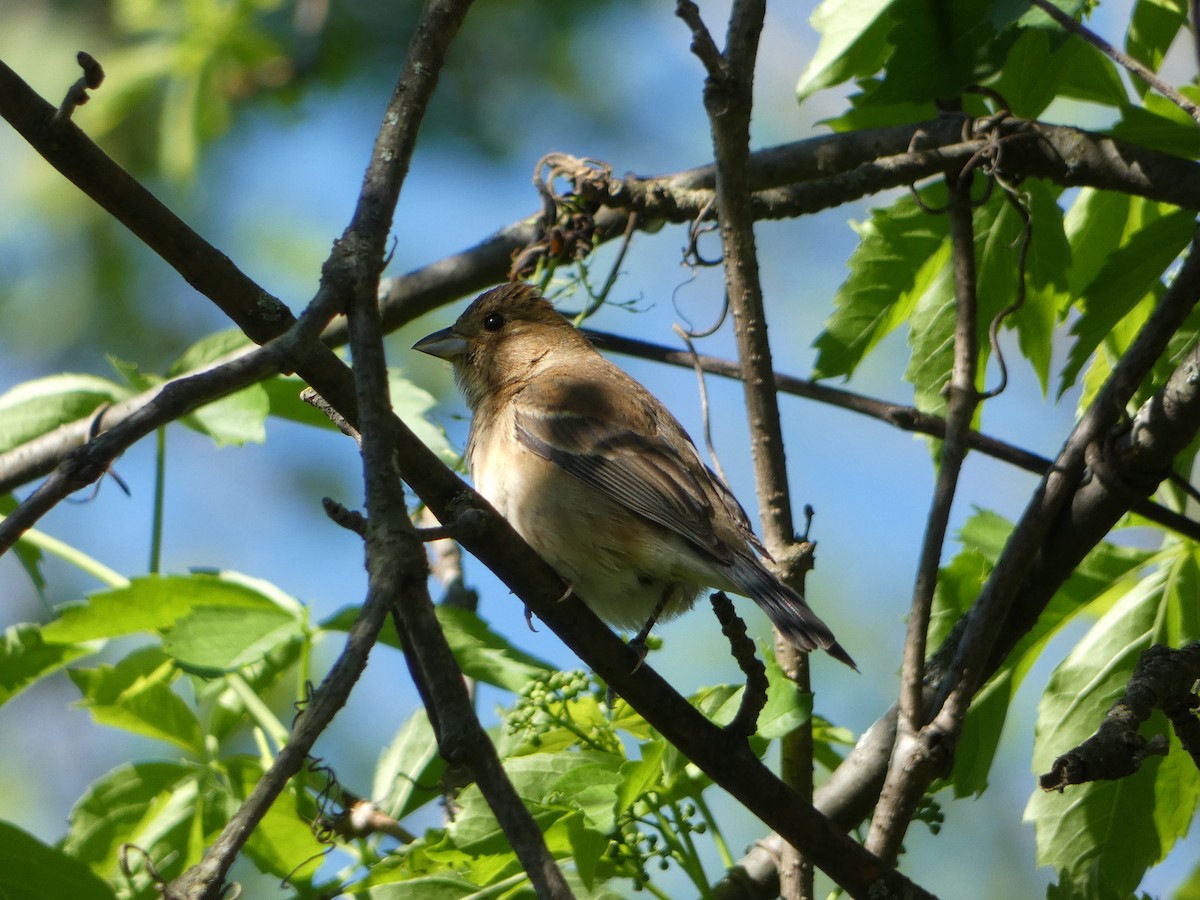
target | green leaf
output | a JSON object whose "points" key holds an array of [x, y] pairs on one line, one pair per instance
{"points": [[1160, 125], [640, 775], [430, 887], [1105, 570], [154, 603], [282, 843], [1152, 29], [412, 404], [27, 554], [536, 778], [283, 397], [881, 289], [37, 407], [1189, 889], [209, 350], [1047, 261], [592, 789], [1095, 226], [942, 46], [931, 333], [409, 768], [34, 871], [135, 695], [236, 419], [1107, 834], [1091, 77], [1129, 273], [26, 658], [786, 708], [211, 640], [484, 654], [853, 43], [148, 805]]}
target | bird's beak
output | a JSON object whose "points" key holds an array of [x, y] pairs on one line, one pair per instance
{"points": [[444, 344]]}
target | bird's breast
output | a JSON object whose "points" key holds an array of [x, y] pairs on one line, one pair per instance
{"points": [[619, 563]]}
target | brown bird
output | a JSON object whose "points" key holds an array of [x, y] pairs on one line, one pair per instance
{"points": [[598, 477]]}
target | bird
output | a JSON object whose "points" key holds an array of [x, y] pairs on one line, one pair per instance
{"points": [[598, 477]]}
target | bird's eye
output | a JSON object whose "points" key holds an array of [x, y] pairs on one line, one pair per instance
{"points": [[493, 322]]}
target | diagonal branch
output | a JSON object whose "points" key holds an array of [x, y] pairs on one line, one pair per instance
{"points": [[729, 100], [1122, 59], [911, 757]]}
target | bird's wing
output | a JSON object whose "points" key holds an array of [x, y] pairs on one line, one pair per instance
{"points": [[629, 458]]}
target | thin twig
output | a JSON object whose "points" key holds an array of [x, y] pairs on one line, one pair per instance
{"points": [[728, 100], [1117, 56], [77, 94], [911, 758]]}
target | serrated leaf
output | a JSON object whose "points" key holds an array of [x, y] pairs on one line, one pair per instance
{"points": [[879, 292], [931, 332], [535, 778], [786, 708], [1107, 569], [1109, 833], [853, 43], [236, 419], [1047, 260], [1095, 225], [36, 407], [1153, 26], [212, 640], [592, 789], [31, 870], [148, 805], [1129, 273], [412, 404], [942, 46], [483, 653], [208, 350], [409, 768], [26, 658], [154, 603], [282, 843], [640, 775], [135, 695]]}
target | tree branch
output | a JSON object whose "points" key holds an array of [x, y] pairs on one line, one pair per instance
{"points": [[916, 760], [728, 100], [1121, 59], [1163, 679]]}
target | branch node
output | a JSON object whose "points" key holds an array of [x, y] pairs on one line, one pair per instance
{"points": [[77, 94], [350, 519], [745, 722]]}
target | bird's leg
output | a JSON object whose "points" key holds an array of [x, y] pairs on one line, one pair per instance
{"points": [[529, 619], [638, 644]]}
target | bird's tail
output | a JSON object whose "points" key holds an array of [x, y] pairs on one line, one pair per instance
{"points": [[786, 609]]}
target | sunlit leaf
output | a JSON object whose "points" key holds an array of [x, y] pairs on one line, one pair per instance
{"points": [[36, 407], [26, 658], [135, 695], [1108, 833], [31, 870]]}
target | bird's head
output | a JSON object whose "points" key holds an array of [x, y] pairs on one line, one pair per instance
{"points": [[501, 338]]}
